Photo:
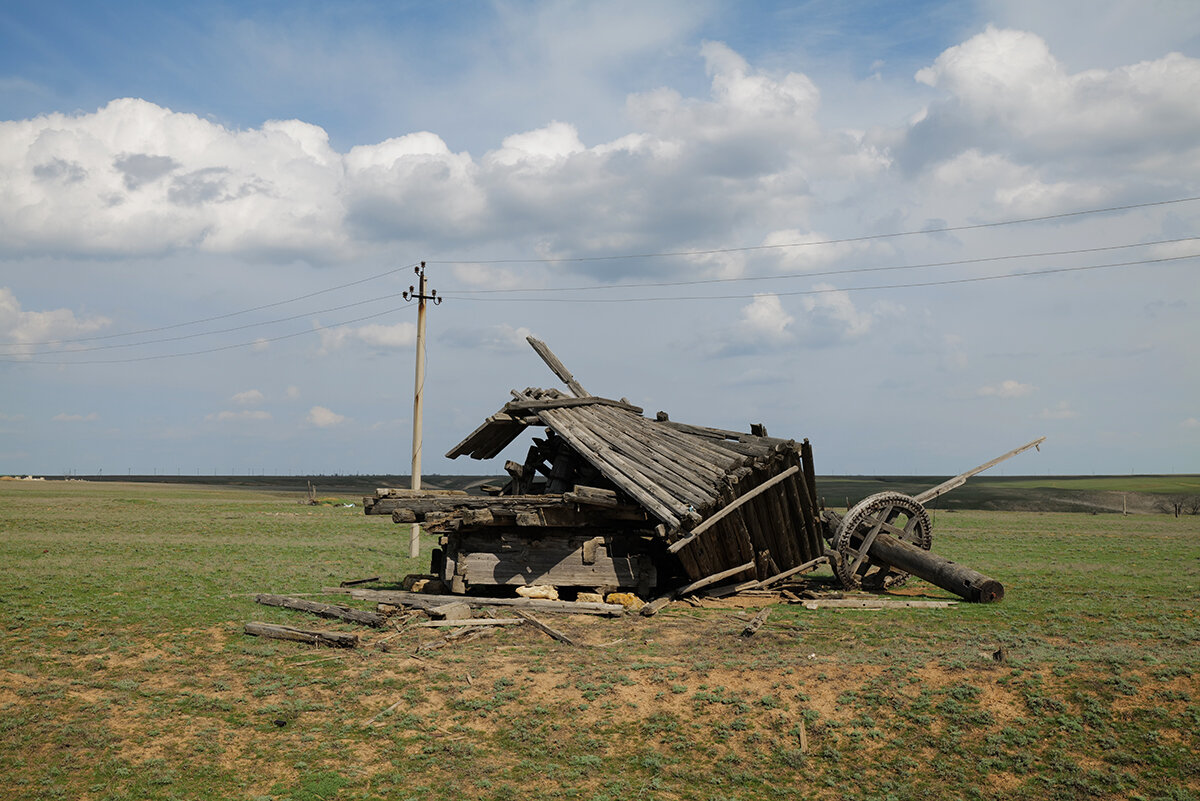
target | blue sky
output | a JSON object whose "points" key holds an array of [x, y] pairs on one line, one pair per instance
{"points": [[193, 196]]}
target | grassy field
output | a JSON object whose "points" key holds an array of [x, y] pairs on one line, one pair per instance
{"points": [[124, 673]]}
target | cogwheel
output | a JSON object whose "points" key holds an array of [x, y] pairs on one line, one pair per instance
{"points": [[895, 513]]}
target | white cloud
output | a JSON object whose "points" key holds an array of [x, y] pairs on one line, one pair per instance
{"points": [[22, 331], [1191, 422], [76, 418], [324, 418], [764, 320], [1062, 411], [832, 315], [1008, 388], [376, 335], [241, 416], [250, 397]]}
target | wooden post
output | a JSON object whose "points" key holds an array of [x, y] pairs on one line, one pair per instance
{"points": [[414, 532]]}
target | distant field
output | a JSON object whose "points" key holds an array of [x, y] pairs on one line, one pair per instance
{"points": [[1135, 494], [124, 673]]}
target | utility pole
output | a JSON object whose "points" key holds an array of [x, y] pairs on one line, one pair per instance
{"points": [[418, 293]]}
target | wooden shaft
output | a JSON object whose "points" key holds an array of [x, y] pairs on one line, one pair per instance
{"points": [[937, 570]]}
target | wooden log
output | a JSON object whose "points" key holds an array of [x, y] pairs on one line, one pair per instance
{"points": [[728, 509], [937, 570], [592, 496], [756, 624], [324, 610], [874, 603], [654, 607], [426, 601], [356, 582], [552, 632], [557, 367], [455, 610], [519, 407], [333, 639]]}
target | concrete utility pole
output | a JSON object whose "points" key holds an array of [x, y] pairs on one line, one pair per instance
{"points": [[418, 293]]}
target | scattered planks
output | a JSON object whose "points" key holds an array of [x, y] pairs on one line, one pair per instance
{"points": [[333, 639], [324, 610], [425, 601], [754, 625]]}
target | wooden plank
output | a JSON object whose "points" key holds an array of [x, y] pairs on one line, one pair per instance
{"points": [[714, 578], [654, 607], [427, 600], [712, 520], [552, 632], [333, 639], [472, 621], [754, 625], [356, 582], [567, 403], [875, 603], [557, 367], [792, 571], [324, 610], [961, 478]]}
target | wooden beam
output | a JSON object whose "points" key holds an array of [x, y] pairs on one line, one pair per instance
{"points": [[554, 633], [961, 478], [712, 520], [334, 639], [714, 578], [324, 610], [473, 621], [557, 367], [804, 568]]}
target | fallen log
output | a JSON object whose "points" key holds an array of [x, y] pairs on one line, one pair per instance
{"points": [[756, 624], [425, 601], [554, 633], [473, 621], [324, 610], [333, 639]]}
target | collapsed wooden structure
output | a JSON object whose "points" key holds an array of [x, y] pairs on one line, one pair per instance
{"points": [[611, 499]]}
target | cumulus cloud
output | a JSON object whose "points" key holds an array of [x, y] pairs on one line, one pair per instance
{"points": [[250, 397], [1008, 388], [21, 331], [241, 416], [376, 335], [1006, 92], [322, 417], [832, 316]]}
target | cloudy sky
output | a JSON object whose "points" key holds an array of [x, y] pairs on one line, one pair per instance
{"points": [[919, 234]]}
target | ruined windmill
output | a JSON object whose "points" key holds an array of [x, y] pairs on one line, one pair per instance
{"points": [[608, 498]]}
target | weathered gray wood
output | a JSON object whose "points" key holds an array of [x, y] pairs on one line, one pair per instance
{"points": [[557, 367], [592, 496], [472, 621], [714, 578], [521, 406], [937, 570], [654, 607], [324, 610], [754, 625], [792, 571], [529, 566], [356, 582], [552, 632], [874, 603], [333, 639], [961, 478], [426, 601], [455, 610], [728, 509]]}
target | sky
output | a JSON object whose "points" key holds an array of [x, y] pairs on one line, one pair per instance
{"points": [[917, 234]]}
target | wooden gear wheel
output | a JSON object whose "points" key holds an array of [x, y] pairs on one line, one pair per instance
{"points": [[893, 513]]}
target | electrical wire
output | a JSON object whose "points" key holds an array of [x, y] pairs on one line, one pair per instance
{"points": [[825, 273], [312, 330], [214, 318], [844, 240], [831, 290]]}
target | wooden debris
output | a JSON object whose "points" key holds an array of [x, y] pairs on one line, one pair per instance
{"points": [[356, 582], [755, 624], [384, 712], [875, 603], [473, 621], [333, 639], [555, 633], [654, 607], [456, 610], [426, 602], [324, 610]]}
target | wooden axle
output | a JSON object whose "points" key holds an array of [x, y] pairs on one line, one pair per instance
{"points": [[937, 570]]}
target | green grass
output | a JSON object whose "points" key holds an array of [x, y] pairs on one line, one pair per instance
{"points": [[124, 673]]}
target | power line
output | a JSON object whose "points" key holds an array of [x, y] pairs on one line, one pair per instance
{"points": [[844, 240], [314, 329], [830, 290], [824, 273], [212, 333], [214, 318]]}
